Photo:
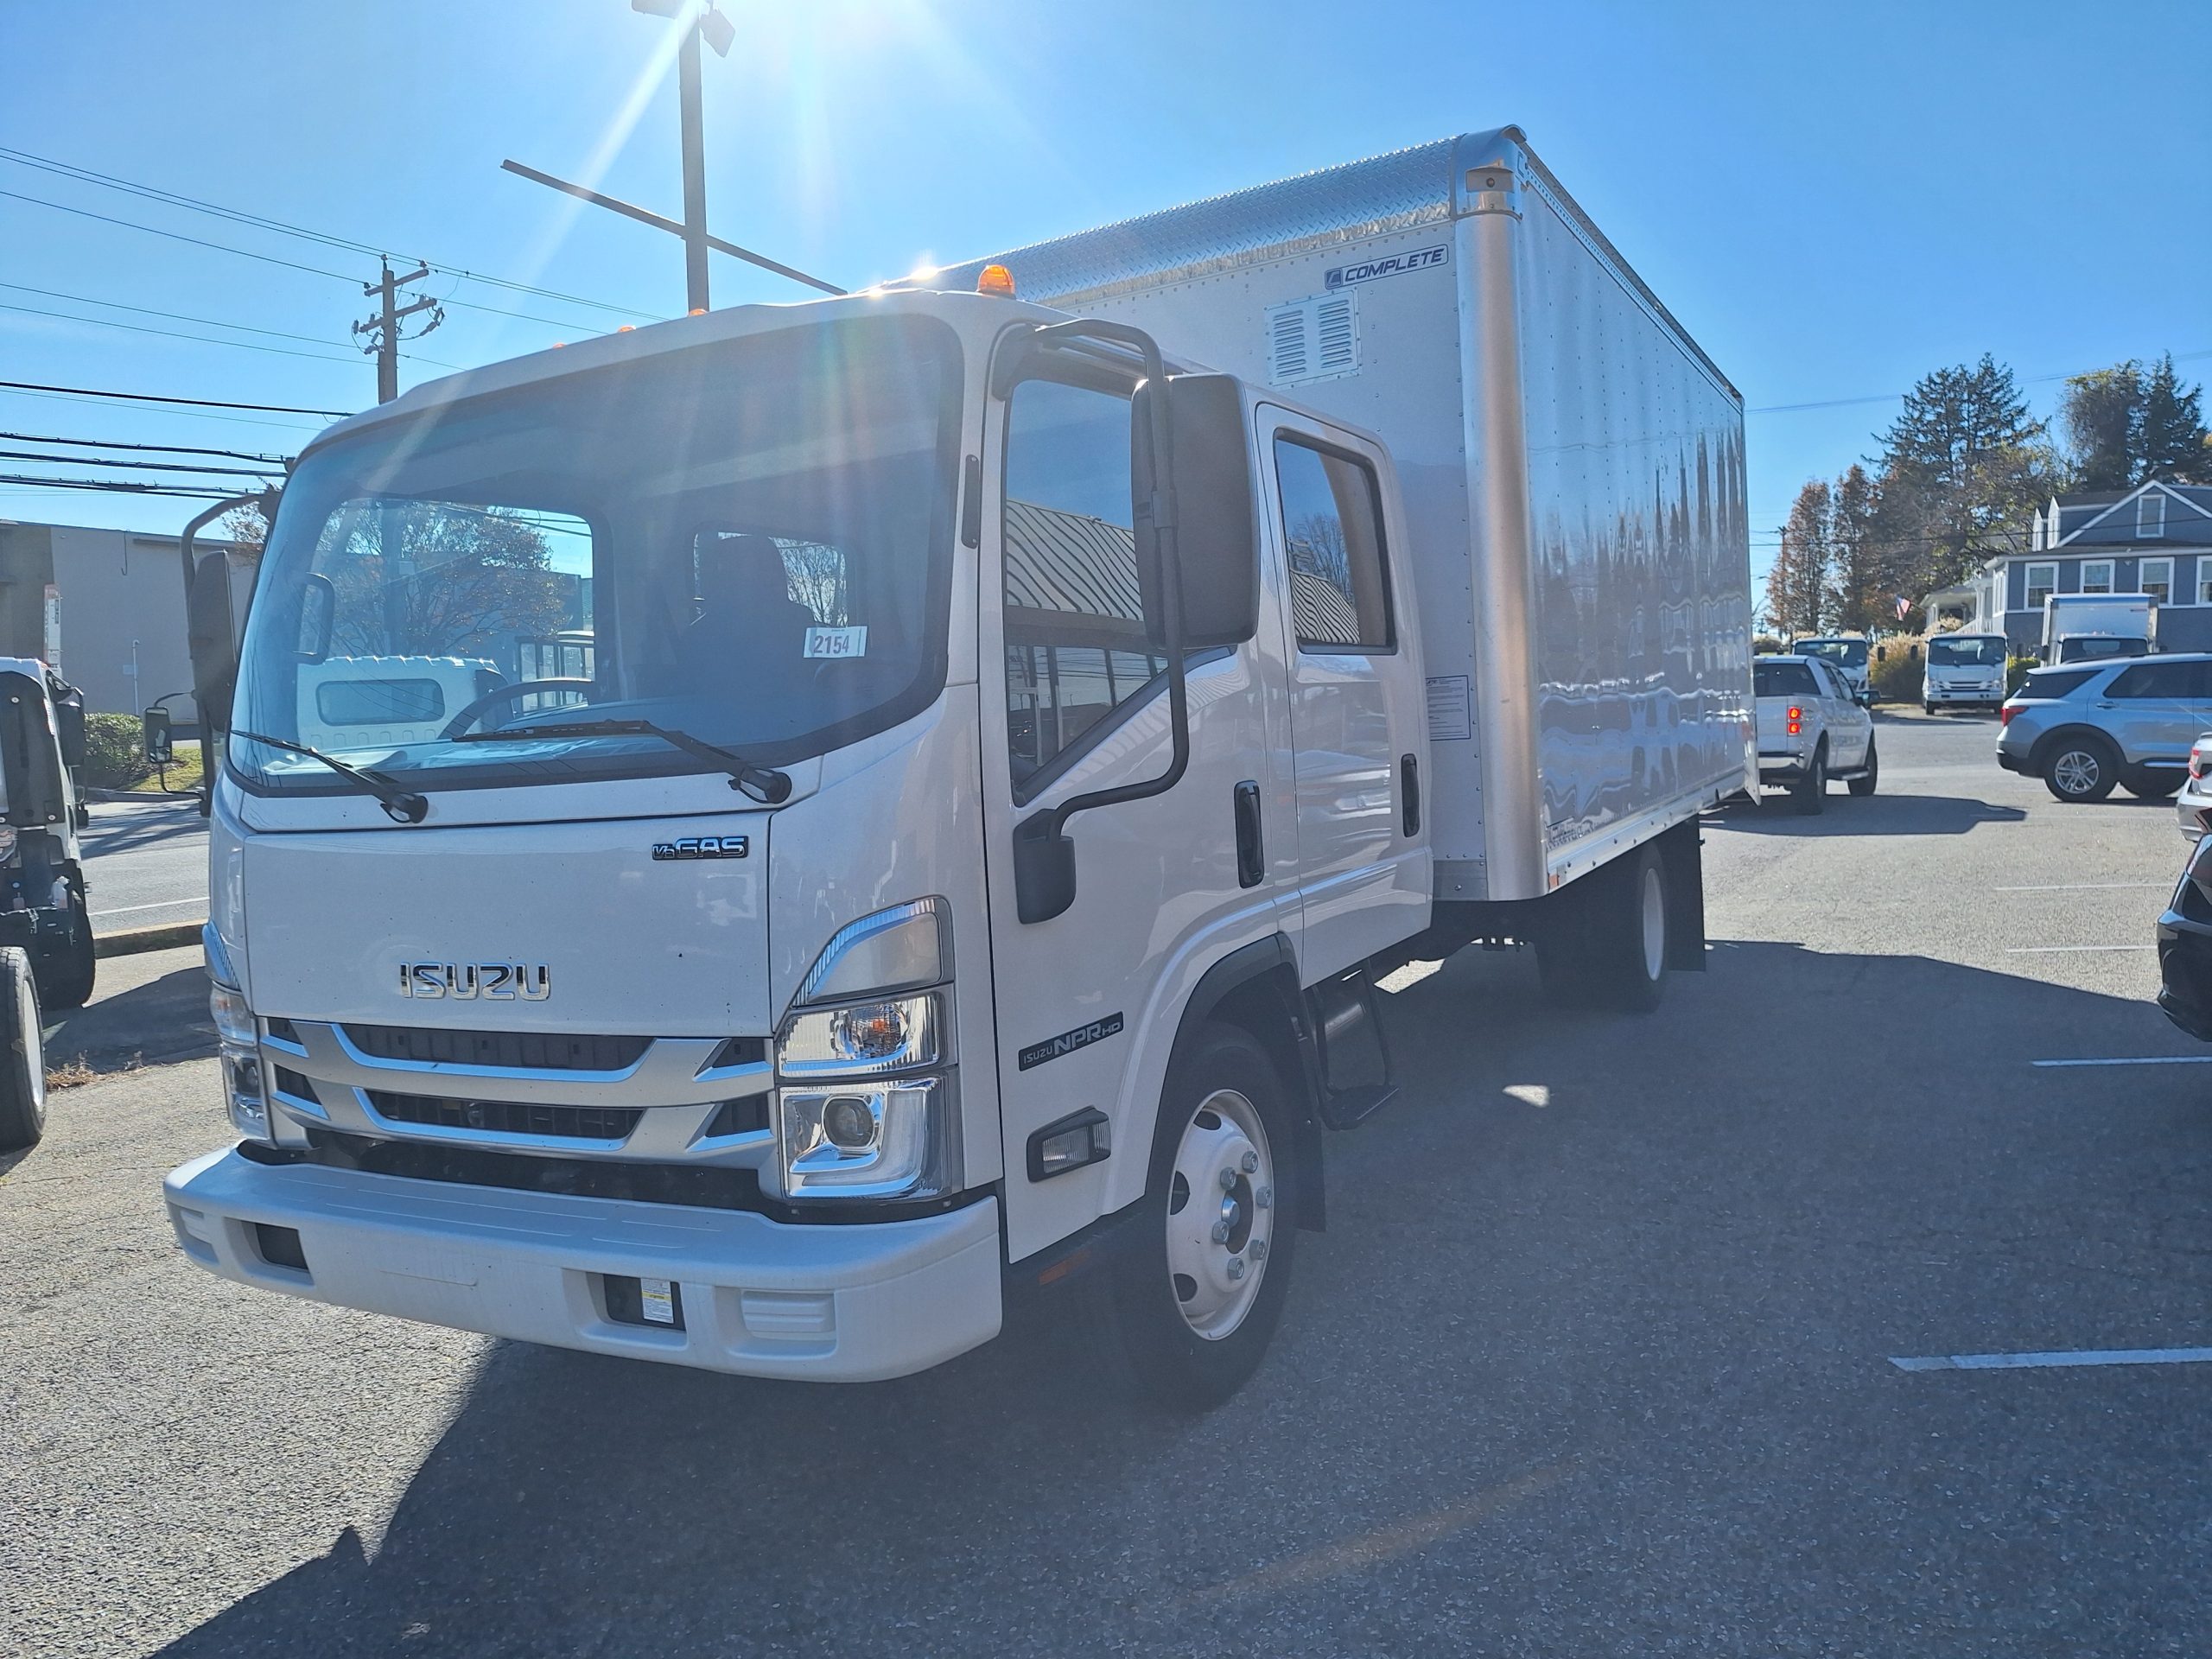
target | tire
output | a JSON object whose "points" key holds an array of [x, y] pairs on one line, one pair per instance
{"points": [[2147, 785], [1928, 708], [71, 971], [1811, 791], [1183, 1332], [1863, 785], [2080, 769], [22, 1061], [1607, 945]]}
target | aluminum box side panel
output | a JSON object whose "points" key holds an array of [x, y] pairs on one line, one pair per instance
{"points": [[1642, 612], [1408, 391]]}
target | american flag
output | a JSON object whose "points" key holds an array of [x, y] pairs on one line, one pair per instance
{"points": [[1904, 605]]}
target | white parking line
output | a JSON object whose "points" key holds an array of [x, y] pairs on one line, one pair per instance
{"points": [[2144, 1060], [2077, 1357], [2090, 886], [166, 904], [2048, 950]]}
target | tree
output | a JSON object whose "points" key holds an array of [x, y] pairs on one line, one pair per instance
{"points": [[1797, 583], [1859, 597], [423, 579], [248, 527], [1959, 472], [2102, 414], [2173, 438]]}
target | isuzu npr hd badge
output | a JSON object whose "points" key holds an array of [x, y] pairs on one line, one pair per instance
{"points": [[1067, 1042]]}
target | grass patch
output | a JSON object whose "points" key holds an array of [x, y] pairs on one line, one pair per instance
{"points": [[184, 772]]}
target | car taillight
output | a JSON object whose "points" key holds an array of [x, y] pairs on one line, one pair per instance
{"points": [[2005, 714], [1796, 720], [2196, 759]]}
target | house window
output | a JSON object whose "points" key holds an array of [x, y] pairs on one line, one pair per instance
{"points": [[2156, 579], [2151, 514], [2096, 576], [2043, 582]]}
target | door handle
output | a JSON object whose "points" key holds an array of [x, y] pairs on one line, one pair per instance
{"points": [[1408, 796], [1251, 855]]}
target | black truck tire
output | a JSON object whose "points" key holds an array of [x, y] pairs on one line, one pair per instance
{"points": [[73, 968], [1811, 792], [1863, 785], [23, 1060]]}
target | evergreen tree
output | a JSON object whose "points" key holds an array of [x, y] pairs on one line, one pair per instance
{"points": [[1959, 472], [2173, 438], [1797, 583], [2102, 414], [1858, 596]]}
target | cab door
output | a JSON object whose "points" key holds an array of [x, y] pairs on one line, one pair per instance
{"points": [[1073, 699], [1356, 689], [2152, 708]]}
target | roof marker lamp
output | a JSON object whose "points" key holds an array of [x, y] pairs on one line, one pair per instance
{"points": [[995, 281]]}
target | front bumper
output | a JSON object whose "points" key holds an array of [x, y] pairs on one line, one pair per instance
{"points": [[826, 1302], [1989, 696]]}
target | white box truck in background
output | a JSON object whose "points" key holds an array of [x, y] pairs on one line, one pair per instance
{"points": [[1011, 754], [2087, 627]]}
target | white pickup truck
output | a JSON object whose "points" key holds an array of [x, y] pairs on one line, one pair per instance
{"points": [[1811, 729]]}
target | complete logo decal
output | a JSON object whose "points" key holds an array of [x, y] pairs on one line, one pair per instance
{"points": [[702, 847], [1396, 264], [1067, 1042], [468, 981]]}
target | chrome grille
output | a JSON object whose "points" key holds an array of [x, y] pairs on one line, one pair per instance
{"points": [[506, 1116], [533, 1051]]}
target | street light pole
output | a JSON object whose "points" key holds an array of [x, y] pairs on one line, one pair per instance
{"points": [[695, 169]]}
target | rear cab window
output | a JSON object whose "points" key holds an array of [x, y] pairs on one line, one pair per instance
{"points": [[1771, 679]]}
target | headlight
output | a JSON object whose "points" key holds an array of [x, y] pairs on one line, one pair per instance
{"points": [[245, 1095], [866, 1101]]}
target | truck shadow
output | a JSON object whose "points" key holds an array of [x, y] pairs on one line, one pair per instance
{"points": [[1578, 1224], [163, 1019], [1877, 814]]}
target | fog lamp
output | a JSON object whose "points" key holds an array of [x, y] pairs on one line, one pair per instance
{"points": [[847, 1123]]}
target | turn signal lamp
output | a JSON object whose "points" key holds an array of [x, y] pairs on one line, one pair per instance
{"points": [[995, 280], [1796, 720]]}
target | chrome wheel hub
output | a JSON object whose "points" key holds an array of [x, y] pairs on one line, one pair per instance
{"points": [[2076, 772], [1220, 1213]]}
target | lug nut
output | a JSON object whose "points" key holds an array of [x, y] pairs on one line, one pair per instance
{"points": [[1251, 1161], [1259, 1250], [1264, 1197], [1228, 1180], [1221, 1232], [1235, 1267]]}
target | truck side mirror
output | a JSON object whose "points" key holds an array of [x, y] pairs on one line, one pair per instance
{"points": [[1881, 653], [1216, 524], [213, 642], [153, 727]]}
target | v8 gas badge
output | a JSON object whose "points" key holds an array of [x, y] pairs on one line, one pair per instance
{"points": [[702, 847]]}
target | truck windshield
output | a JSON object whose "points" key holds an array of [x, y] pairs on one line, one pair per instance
{"points": [[1851, 653], [748, 541], [1983, 652]]}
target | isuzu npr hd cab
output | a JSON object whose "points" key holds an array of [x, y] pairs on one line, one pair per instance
{"points": [[1013, 741]]}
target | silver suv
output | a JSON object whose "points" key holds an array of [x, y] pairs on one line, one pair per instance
{"points": [[2088, 727]]}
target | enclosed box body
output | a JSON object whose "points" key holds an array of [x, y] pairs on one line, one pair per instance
{"points": [[2104, 616], [1571, 466]]}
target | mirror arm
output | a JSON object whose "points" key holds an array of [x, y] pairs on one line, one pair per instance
{"points": [[1044, 859]]}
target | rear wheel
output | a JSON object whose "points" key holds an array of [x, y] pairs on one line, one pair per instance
{"points": [[70, 971], [1606, 945], [1863, 785], [23, 1060], [1811, 791], [2082, 768], [1191, 1306]]}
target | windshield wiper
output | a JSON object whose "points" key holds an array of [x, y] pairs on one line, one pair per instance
{"points": [[764, 783], [402, 805]]}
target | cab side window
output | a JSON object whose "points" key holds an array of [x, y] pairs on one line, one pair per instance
{"points": [[2158, 681], [1075, 648], [1332, 530]]}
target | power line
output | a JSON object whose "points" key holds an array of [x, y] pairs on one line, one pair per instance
{"points": [[260, 221], [139, 466], [156, 397], [174, 316], [1899, 396], [162, 448], [176, 333], [125, 486]]}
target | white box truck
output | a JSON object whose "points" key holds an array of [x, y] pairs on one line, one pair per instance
{"points": [[2087, 627], [1019, 733]]}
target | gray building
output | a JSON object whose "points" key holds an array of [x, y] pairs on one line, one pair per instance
{"points": [[105, 607], [2155, 540]]}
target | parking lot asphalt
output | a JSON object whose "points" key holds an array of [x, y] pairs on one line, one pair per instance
{"points": [[146, 862], [1595, 1358]]}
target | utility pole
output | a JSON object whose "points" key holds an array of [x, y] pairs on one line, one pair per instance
{"points": [[384, 329], [695, 171]]}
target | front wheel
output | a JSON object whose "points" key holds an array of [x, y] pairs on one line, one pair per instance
{"points": [[1191, 1306], [1863, 785], [2080, 769], [23, 1060], [73, 968]]}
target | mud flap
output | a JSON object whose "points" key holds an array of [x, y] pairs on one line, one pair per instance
{"points": [[1683, 848]]}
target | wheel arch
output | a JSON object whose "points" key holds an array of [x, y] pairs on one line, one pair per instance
{"points": [[1254, 988], [2046, 746]]}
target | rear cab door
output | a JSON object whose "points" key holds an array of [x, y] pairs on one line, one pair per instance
{"points": [[1357, 708]]}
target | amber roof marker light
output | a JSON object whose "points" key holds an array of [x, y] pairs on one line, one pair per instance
{"points": [[997, 280]]}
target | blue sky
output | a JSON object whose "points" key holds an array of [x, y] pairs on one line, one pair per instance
{"points": [[1835, 199]]}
